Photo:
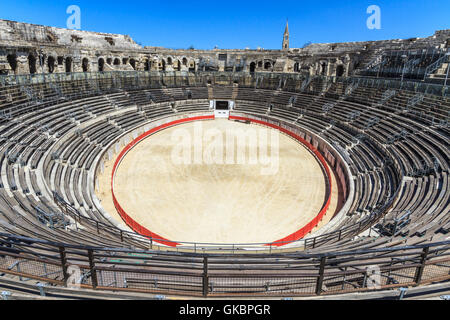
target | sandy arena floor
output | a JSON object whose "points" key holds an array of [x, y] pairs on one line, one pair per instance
{"points": [[216, 203]]}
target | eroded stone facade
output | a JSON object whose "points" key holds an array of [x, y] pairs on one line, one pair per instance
{"points": [[27, 48]]}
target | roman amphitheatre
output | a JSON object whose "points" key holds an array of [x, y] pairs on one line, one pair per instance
{"points": [[103, 169]]}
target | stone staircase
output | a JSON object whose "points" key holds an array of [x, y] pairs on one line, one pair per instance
{"points": [[441, 73]]}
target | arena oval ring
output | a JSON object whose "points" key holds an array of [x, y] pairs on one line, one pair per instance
{"points": [[299, 234]]}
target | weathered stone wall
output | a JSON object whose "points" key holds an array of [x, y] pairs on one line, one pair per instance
{"points": [[27, 48]]}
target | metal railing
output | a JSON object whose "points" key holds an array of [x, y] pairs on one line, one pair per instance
{"points": [[412, 64], [435, 65], [212, 275], [128, 80]]}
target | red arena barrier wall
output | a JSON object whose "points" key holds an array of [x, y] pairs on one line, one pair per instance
{"points": [[157, 238], [314, 222], [126, 218]]}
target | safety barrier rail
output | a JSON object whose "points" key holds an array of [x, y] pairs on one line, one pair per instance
{"points": [[133, 80], [216, 275]]}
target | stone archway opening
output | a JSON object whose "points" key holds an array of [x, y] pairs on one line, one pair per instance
{"points": [[32, 63], [68, 64], [340, 70], [147, 65], [133, 63], [192, 66], [12, 60], [323, 70], [85, 65], [101, 64], [51, 64]]}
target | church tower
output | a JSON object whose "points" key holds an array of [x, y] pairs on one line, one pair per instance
{"points": [[286, 37]]}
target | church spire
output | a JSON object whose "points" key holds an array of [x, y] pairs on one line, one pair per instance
{"points": [[286, 37]]}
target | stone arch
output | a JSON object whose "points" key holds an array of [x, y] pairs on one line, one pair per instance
{"points": [[133, 63], [185, 61], [192, 65], [12, 60], [252, 67], [68, 64], [323, 68], [163, 65], [169, 61], [109, 61], [147, 65], [116, 62], [101, 64], [32, 63], [51, 64], [296, 67], [85, 64], [340, 70], [267, 65]]}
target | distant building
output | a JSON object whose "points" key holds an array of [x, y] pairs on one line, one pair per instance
{"points": [[286, 37]]}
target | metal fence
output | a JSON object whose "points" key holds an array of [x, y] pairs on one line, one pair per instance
{"points": [[116, 80], [221, 275], [412, 64]]}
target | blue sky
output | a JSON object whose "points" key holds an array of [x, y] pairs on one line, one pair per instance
{"points": [[239, 24]]}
